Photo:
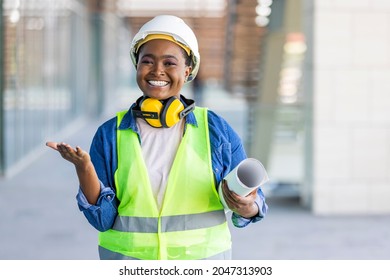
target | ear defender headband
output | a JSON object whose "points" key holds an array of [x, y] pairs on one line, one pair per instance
{"points": [[162, 113]]}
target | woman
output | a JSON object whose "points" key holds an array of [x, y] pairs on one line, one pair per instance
{"points": [[149, 183]]}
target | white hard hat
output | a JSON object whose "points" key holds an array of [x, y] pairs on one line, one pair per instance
{"points": [[171, 28]]}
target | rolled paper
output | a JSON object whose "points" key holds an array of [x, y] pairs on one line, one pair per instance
{"points": [[248, 175]]}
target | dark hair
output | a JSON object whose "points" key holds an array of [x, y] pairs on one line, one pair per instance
{"points": [[188, 58]]}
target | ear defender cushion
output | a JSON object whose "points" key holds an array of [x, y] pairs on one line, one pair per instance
{"points": [[152, 105], [159, 113], [170, 114]]}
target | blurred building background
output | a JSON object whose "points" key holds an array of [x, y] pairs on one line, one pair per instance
{"points": [[311, 79]]}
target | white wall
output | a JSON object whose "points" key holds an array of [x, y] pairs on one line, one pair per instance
{"points": [[351, 107]]}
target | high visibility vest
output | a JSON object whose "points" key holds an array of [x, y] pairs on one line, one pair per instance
{"points": [[191, 223]]}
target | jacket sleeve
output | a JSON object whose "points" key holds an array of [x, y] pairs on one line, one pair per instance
{"points": [[101, 215], [103, 155]]}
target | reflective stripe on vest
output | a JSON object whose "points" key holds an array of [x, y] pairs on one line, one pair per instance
{"points": [[191, 223], [170, 223]]}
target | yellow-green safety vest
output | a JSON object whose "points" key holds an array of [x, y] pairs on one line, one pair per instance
{"points": [[191, 223]]}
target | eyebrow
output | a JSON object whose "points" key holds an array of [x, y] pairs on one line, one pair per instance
{"points": [[164, 56]]}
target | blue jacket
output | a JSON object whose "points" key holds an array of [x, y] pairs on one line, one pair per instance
{"points": [[226, 149]]}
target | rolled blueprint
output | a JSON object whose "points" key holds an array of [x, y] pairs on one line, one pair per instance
{"points": [[248, 175]]}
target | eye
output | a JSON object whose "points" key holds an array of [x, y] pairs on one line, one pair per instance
{"points": [[170, 62], [146, 60]]}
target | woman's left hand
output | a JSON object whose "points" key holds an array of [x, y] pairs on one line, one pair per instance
{"points": [[243, 206]]}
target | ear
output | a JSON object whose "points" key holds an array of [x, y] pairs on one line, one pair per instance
{"points": [[187, 72]]}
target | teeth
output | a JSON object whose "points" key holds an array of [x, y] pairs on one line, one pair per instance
{"points": [[158, 83]]}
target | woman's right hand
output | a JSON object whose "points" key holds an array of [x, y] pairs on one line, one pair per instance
{"points": [[76, 156]]}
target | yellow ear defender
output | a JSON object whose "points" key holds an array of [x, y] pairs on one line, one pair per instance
{"points": [[162, 113]]}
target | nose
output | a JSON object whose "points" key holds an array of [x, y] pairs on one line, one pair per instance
{"points": [[158, 68]]}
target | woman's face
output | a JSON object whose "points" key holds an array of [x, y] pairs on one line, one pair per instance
{"points": [[161, 69]]}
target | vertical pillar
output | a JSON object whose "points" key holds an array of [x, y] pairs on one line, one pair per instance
{"points": [[266, 105], [96, 9], [2, 122]]}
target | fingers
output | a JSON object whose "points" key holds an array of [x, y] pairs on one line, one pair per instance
{"points": [[64, 149], [228, 194], [244, 206], [76, 155], [52, 145], [235, 201], [79, 151]]}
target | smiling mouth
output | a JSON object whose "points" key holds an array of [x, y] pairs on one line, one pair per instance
{"points": [[158, 83]]}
